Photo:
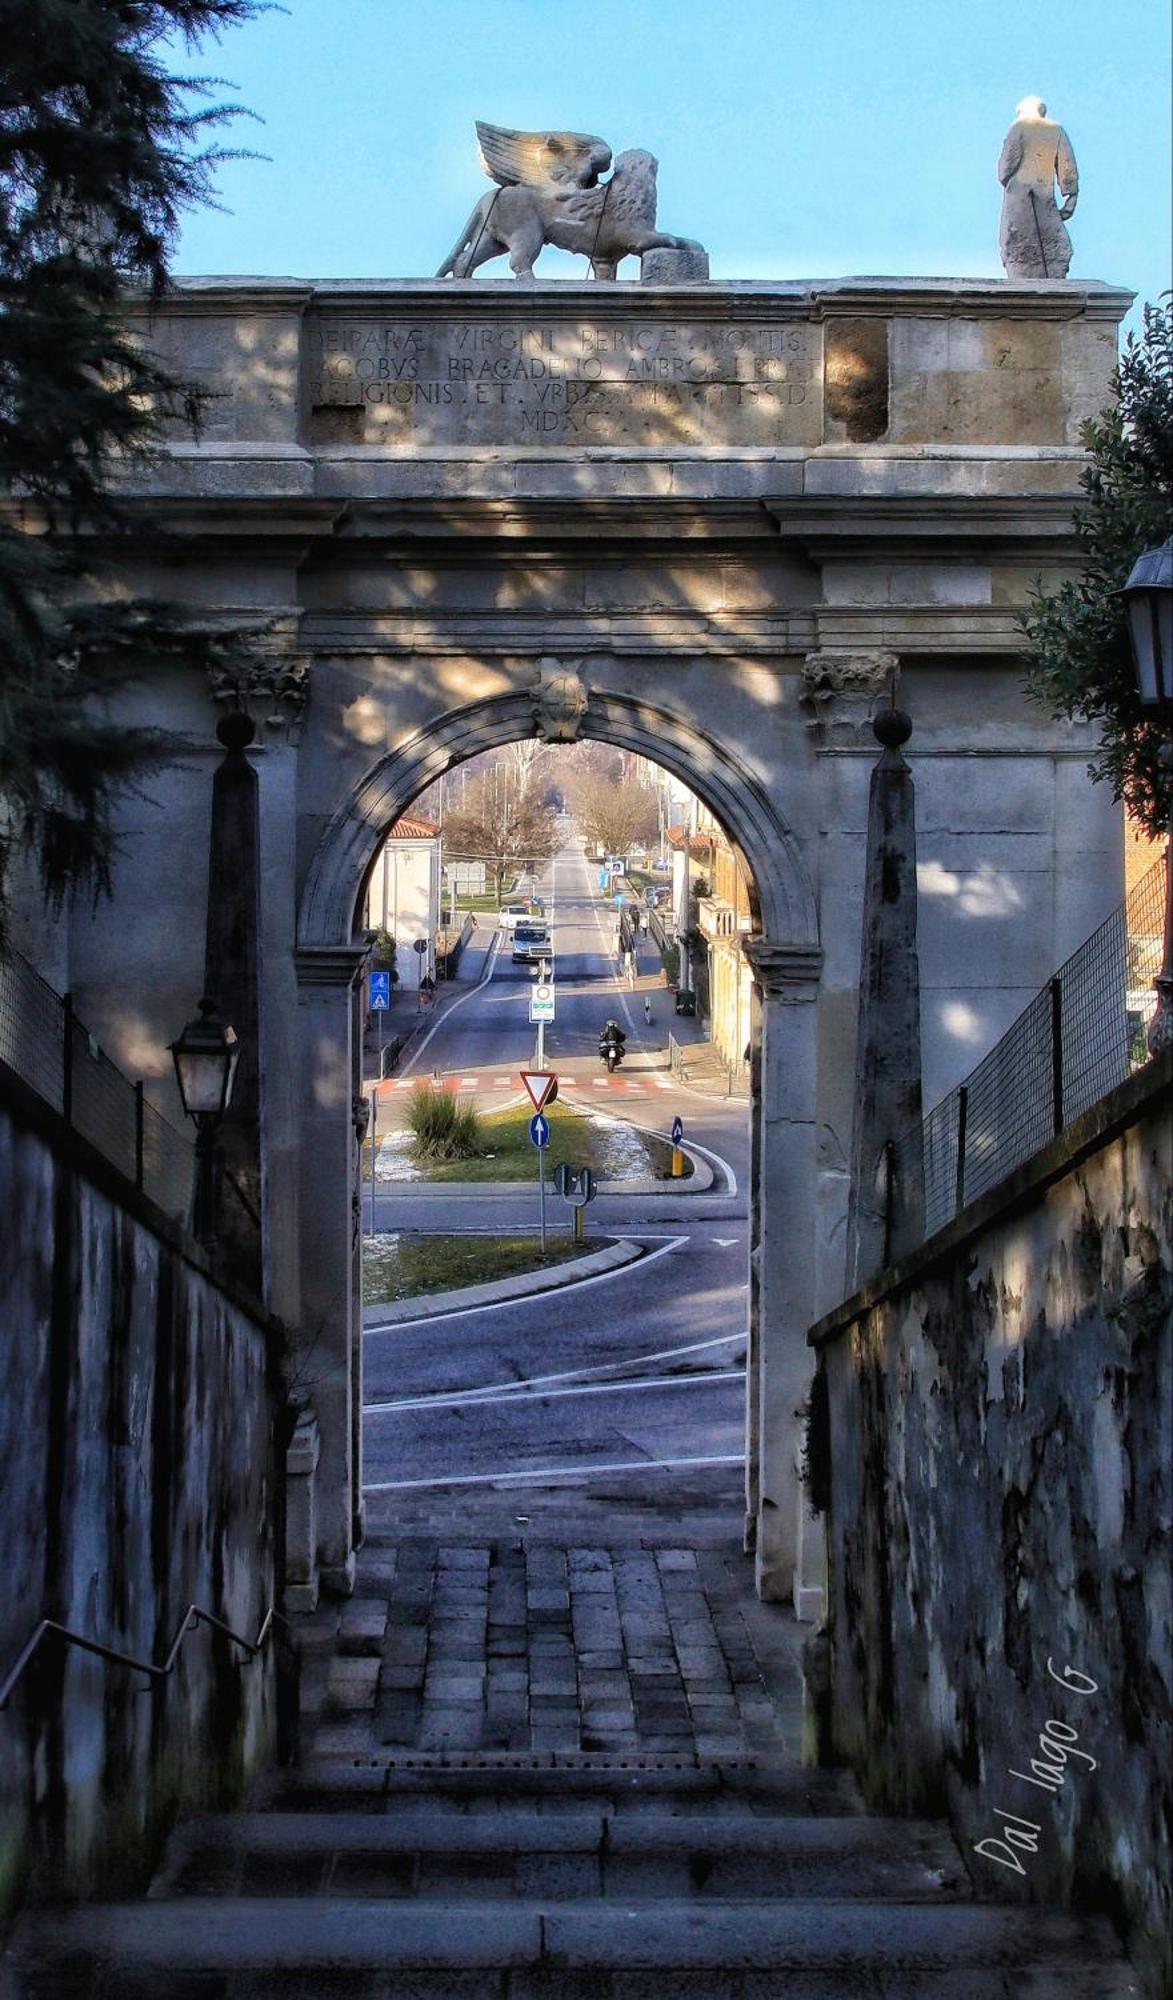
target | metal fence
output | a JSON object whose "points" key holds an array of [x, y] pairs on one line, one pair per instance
{"points": [[1079, 1037], [42, 1039]]}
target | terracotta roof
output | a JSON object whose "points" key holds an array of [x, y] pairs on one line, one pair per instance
{"points": [[699, 845], [409, 828]]}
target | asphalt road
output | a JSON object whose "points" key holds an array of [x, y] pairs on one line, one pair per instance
{"points": [[632, 1381]]}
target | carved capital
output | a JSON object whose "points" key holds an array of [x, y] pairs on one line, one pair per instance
{"points": [[840, 692], [273, 687], [784, 971], [560, 700]]}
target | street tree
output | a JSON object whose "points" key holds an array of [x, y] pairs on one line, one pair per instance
{"points": [[503, 822], [615, 817], [1078, 660], [102, 149]]}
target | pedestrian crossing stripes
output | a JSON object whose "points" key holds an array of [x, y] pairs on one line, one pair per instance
{"points": [[640, 1084]]}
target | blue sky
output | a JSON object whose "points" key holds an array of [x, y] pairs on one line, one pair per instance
{"points": [[796, 138]]}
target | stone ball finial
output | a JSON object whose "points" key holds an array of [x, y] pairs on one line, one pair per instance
{"points": [[236, 730], [892, 727]]}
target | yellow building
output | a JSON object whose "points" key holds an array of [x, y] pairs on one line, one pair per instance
{"points": [[722, 919]]}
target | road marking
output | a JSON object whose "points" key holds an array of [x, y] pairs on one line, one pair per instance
{"points": [[463, 1398], [726, 1169], [529, 1298], [487, 974], [547, 1472], [726, 1242], [531, 1382]]}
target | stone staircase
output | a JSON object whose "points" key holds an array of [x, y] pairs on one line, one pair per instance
{"points": [[576, 1878]]}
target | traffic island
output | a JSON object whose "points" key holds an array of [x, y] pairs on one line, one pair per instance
{"points": [[617, 1152], [565, 1263]]}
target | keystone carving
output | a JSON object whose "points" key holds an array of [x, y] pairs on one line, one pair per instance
{"points": [[560, 700], [840, 692]]}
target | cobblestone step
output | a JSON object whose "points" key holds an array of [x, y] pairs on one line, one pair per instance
{"points": [[582, 1851], [371, 1949]]}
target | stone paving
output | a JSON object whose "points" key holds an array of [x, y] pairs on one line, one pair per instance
{"points": [[503, 1645]]}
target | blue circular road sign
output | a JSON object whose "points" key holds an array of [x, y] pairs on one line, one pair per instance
{"points": [[677, 1131], [539, 1131]]}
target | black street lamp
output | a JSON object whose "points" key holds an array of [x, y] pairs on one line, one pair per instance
{"points": [[1148, 599], [205, 1057]]}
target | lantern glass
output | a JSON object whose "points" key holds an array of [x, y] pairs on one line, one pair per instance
{"points": [[205, 1057], [1148, 597]]}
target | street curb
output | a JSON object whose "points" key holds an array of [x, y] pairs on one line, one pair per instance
{"points": [[699, 1181], [612, 1257]]}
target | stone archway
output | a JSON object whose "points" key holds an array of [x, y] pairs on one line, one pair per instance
{"points": [[785, 895], [786, 959]]}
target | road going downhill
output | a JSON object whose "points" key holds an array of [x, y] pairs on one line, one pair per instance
{"points": [[630, 1383]]}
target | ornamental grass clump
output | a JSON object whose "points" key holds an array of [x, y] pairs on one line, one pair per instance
{"points": [[443, 1127]]}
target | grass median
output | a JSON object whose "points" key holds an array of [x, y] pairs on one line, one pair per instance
{"points": [[614, 1152], [409, 1264]]}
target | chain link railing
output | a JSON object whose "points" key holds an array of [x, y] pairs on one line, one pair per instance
{"points": [[1079, 1037], [42, 1039]]}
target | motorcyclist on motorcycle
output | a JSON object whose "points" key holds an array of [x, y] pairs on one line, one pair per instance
{"points": [[611, 1044]]}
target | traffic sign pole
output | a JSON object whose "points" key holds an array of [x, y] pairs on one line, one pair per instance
{"points": [[373, 1128], [542, 1193]]}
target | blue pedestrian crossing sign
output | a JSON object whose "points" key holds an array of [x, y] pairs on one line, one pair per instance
{"points": [[539, 1131], [380, 991], [677, 1131]]}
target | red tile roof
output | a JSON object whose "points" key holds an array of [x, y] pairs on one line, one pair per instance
{"points": [[409, 828]]}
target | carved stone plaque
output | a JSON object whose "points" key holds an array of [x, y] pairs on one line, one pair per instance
{"points": [[412, 383]]}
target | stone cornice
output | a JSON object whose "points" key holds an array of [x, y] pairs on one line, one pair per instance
{"points": [[757, 298], [834, 525]]}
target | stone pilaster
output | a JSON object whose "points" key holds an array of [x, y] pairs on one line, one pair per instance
{"points": [[328, 1369], [885, 1217], [784, 1206], [232, 975]]}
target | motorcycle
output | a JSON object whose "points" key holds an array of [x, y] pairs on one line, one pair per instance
{"points": [[611, 1046]]}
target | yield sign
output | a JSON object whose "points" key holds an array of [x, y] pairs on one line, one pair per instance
{"points": [[541, 1084]]}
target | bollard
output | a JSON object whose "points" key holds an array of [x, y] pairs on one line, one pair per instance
{"points": [[677, 1163]]}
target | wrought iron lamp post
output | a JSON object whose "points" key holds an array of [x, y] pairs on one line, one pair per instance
{"points": [[1148, 599], [205, 1057]]}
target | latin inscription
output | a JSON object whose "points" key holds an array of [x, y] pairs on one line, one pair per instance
{"points": [[464, 383]]}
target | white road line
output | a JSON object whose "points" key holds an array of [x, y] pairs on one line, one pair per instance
{"points": [[531, 1298], [487, 974], [462, 1399], [718, 1161], [498, 1390], [581, 1473]]}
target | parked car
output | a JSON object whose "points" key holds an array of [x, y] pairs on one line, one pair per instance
{"points": [[512, 914]]}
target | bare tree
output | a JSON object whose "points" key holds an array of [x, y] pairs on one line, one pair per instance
{"points": [[616, 817], [501, 821]]}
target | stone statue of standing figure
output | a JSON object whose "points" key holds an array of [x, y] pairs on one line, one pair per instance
{"points": [[1035, 154]]}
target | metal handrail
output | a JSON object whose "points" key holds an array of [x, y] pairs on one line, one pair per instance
{"points": [[194, 1616]]}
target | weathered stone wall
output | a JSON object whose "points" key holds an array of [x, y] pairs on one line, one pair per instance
{"points": [[137, 1476], [1000, 1461]]}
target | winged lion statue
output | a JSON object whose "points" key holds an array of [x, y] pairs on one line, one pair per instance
{"points": [[549, 190]]}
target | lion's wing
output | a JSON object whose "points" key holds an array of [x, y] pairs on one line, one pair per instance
{"points": [[542, 159]]}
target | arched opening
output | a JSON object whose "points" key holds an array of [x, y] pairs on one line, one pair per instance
{"points": [[784, 954]]}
